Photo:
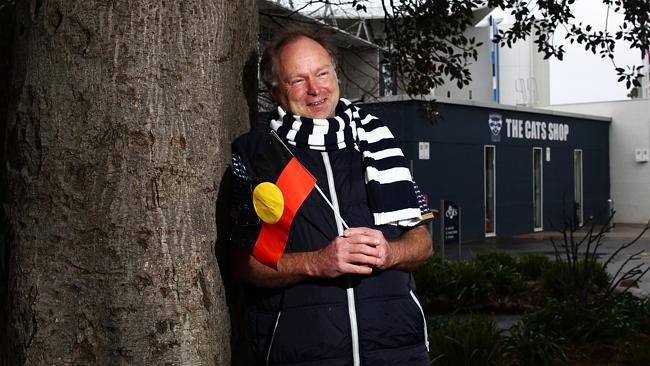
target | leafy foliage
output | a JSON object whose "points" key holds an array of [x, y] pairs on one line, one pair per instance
{"points": [[605, 332], [581, 306], [563, 281], [427, 39], [530, 347], [490, 279], [500, 270], [580, 274], [495, 258], [532, 266], [427, 36], [576, 317], [444, 285], [475, 341]]}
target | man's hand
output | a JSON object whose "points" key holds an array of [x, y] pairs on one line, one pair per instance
{"points": [[381, 251], [407, 252], [358, 251], [348, 254]]}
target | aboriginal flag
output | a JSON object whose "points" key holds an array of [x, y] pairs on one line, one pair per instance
{"points": [[281, 186]]}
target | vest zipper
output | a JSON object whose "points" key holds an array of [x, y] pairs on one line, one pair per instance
{"points": [[352, 310], [424, 319], [275, 327]]}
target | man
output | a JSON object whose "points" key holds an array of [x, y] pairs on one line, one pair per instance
{"points": [[340, 292]]}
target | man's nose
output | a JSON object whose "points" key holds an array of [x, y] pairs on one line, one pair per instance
{"points": [[312, 87]]}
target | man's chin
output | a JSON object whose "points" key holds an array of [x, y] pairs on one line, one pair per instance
{"points": [[319, 112]]}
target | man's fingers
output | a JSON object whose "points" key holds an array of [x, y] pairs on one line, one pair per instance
{"points": [[356, 254], [369, 250], [364, 235], [364, 239], [362, 259], [356, 269], [361, 231]]}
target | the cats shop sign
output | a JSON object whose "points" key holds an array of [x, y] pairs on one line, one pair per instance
{"points": [[526, 129]]}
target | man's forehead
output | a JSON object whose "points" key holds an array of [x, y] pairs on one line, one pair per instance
{"points": [[303, 47]]}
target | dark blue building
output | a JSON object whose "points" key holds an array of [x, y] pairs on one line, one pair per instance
{"points": [[512, 170]]}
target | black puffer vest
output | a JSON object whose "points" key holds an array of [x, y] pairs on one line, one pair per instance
{"points": [[366, 320]]}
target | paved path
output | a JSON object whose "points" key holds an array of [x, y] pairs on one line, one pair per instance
{"points": [[541, 243]]}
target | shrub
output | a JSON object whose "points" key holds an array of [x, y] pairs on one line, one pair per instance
{"points": [[644, 316], [475, 341], [633, 349], [505, 282], [458, 285], [532, 266], [468, 284], [594, 326], [500, 270], [530, 347], [580, 282], [495, 258], [445, 285]]}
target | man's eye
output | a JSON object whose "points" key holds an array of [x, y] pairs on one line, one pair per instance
{"points": [[323, 74], [296, 82]]}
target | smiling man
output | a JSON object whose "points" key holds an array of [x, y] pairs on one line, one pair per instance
{"points": [[339, 290], [305, 82]]}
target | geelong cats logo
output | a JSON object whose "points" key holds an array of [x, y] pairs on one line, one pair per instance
{"points": [[495, 122]]}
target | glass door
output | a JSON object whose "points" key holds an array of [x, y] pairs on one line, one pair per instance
{"points": [[577, 181], [538, 189], [490, 190]]}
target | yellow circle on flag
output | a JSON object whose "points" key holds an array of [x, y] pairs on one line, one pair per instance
{"points": [[268, 202]]}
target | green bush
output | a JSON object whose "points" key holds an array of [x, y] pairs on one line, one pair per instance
{"points": [[505, 282], [532, 266], [458, 285], [468, 284], [500, 270], [580, 282], [529, 347], [633, 350], [595, 326], [495, 258], [447, 286], [475, 341], [643, 315]]}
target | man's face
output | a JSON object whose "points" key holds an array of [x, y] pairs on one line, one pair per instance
{"points": [[307, 84]]}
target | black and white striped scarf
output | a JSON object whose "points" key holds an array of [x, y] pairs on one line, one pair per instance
{"points": [[392, 194]]}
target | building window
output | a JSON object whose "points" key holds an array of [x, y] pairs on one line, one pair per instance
{"points": [[578, 207], [490, 190], [538, 189]]}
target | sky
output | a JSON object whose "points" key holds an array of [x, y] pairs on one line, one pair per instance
{"points": [[583, 76]]}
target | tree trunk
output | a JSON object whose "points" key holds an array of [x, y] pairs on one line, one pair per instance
{"points": [[6, 38], [117, 139]]}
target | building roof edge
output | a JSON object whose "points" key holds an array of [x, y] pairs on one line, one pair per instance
{"points": [[473, 103]]}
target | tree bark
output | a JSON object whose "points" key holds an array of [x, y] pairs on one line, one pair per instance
{"points": [[6, 45], [117, 139]]}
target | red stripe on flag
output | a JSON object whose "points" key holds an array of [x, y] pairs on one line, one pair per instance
{"points": [[296, 183], [270, 244]]}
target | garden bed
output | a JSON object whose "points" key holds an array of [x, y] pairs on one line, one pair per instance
{"points": [[497, 309]]}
